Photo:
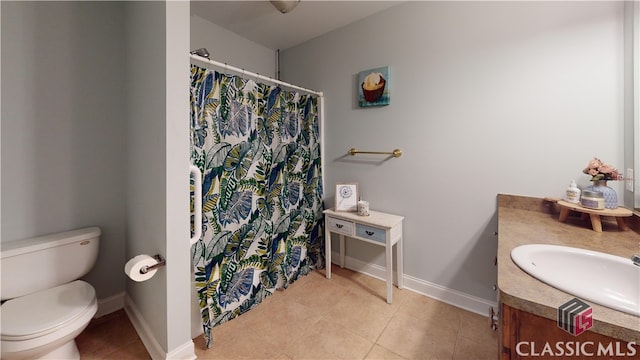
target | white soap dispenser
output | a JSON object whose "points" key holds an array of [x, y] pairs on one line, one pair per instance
{"points": [[573, 193]]}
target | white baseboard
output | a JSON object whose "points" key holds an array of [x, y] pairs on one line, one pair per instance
{"points": [[450, 296], [143, 330], [186, 351], [109, 305]]}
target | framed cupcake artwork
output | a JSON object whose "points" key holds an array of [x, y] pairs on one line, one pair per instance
{"points": [[373, 87]]}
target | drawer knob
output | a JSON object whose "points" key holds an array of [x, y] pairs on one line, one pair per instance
{"points": [[369, 232], [339, 226]]}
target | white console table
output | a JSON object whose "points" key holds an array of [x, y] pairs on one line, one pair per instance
{"points": [[378, 228]]}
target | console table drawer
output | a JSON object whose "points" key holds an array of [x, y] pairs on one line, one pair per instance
{"points": [[340, 226], [371, 233]]}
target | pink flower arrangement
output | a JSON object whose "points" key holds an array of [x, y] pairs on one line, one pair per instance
{"points": [[601, 171]]}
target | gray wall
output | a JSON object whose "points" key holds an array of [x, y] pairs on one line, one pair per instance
{"points": [[158, 166], [178, 250], [146, 163], [228, 47], [64, 126], [636, 56], [486, 98], [629, 98]]}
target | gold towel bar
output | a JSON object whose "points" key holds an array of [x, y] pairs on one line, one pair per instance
{"points": [[395, 153]]}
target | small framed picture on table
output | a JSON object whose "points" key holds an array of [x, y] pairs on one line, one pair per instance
{"points": [[346, 197]]}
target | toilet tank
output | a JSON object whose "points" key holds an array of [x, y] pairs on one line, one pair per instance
{"points": [[46, 261]]}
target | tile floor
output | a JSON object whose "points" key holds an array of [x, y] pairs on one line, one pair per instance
{"points": [[346, 317], [111, 337]]}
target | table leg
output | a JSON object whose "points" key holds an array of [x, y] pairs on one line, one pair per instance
{"points": [[622, 226], [327, 250], [596, 224], [389, 261], [399, 264], [564, 212], [342, 251]]}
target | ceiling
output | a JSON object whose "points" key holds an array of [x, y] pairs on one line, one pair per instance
{"points": [[261, 22]]}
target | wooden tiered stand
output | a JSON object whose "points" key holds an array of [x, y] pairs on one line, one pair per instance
{"points": [[618, 213]]}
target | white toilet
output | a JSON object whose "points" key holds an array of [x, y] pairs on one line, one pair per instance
{"points": [[46, 306]]}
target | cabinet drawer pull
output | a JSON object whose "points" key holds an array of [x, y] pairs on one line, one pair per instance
{"points": [[339, 226], [369, 232]]}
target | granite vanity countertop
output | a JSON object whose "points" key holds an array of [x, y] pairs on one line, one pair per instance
{"points": [[526, 220]]}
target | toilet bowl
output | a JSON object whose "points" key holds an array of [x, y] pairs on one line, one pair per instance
{"points": [[39, 323], [42, 323]]}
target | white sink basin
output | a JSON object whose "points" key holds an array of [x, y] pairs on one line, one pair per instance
{"points": [[604, 279]]}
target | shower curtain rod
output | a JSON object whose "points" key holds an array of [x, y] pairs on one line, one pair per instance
{"points": [[245, 72]]}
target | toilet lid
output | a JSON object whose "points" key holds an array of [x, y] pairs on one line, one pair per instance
{"points": [[44, 311]]}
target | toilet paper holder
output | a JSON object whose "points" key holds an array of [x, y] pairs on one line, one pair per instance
{"points": [[161, 262]]}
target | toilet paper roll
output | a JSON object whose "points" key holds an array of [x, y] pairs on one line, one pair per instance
{"points": [[132, 267]]}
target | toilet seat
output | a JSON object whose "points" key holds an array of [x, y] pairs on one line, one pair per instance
{"points": [[44, 312]]}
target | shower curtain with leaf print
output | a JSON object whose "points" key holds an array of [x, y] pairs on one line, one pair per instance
{"points": [[258, 148]]}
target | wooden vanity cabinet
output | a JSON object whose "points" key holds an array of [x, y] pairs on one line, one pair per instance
{"points": [[533, 332]]}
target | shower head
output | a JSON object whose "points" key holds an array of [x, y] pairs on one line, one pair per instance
{"points": [[201, 52]]}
